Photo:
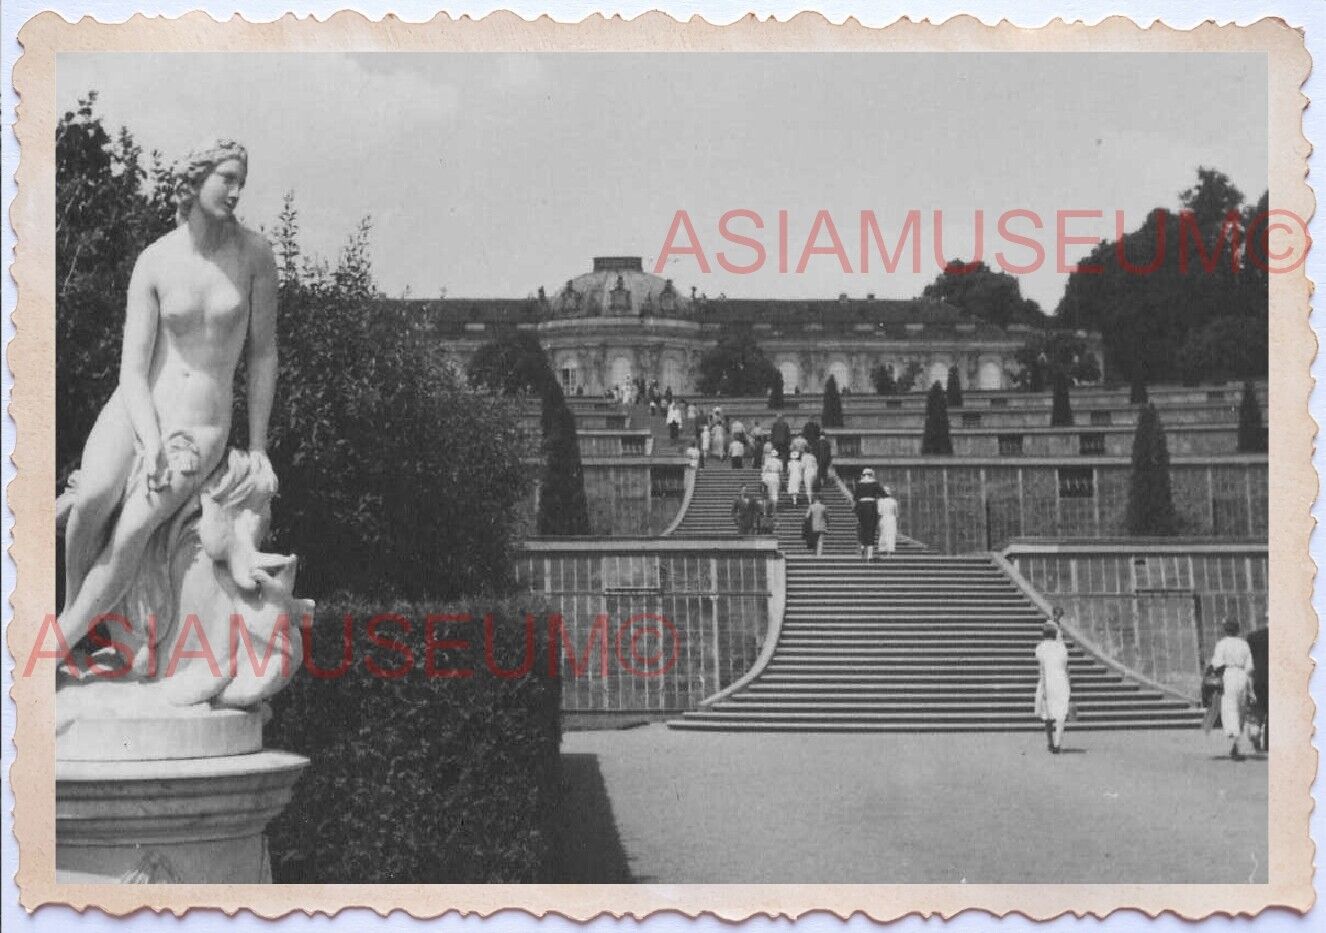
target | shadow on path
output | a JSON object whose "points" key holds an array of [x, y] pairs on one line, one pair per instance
{"points": [[589, 849]]}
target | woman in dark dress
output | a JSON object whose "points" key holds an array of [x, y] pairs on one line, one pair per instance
{"points": [[867, 512]]}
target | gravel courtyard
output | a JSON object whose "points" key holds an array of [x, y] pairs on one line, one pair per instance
{"points": [[654, 805]]}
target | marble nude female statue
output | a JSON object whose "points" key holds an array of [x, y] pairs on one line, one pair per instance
{"points": [[198, 297]]}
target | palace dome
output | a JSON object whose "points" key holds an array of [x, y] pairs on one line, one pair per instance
{"points": [[618, 286]]}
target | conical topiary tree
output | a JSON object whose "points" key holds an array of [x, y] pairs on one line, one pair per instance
{"points": [[563, 508], [1150, 500], [953, 390], [831, 412], [776, 400], [882, 378], [936, 439], [1036, 376], [1252, 436], [1137, 392], [1062, 413]]}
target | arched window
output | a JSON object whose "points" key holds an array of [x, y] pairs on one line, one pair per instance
{"points": [[841, 374], [674, 374], [991, 374], [938, 372], [791, 375], [622, 371]]}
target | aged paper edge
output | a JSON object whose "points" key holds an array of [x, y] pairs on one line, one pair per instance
{"points": [[1291, 475]]}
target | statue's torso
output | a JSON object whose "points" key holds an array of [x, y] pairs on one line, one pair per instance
{"points": [[203, 305]]}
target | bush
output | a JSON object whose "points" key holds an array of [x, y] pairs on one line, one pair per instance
{"points": [[881, 377], [735, 366], [954, 389], [107, 209], [395, 476], [563, 509], [1137, 394], [936, 439], [1150, 500], [1061, 414], [831, 410], [513, 365], [1223, 349], [776, 392], [1252, 436], [420, 779]]}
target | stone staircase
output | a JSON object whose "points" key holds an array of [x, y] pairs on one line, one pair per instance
{"points": [[710, 512], [918, 643]]}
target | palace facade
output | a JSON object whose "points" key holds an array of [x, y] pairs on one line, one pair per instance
{"points": [[617, 323]]}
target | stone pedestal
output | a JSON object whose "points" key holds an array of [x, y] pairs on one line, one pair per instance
{"points": [[130, 809]]}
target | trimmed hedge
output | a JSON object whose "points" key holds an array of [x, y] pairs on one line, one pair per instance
{"points": [[419, 778]]}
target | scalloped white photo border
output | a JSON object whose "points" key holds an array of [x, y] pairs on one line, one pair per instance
{"points": [[1309, 15]]}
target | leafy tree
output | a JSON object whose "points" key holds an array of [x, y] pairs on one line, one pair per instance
{"points": [[776, 397], [936, 440], [1137, 394], [1252, 436], [1150, 501], [1154, 290], [735, 366], [563, 508], [883, 380], [1051, 352], [107, 208], [910, 378], [1061, 414], [1224, 349], [831, 409], [382, 450], [953, 390], [514, 364], [995, 297]]}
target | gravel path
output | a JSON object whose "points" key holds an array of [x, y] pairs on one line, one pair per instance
{"points": [[653, 805]]}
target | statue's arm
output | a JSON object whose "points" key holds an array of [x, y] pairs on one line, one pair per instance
{"points": [[142, 313], [262, 356]]}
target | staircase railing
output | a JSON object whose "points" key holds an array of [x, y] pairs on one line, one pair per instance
{"points": [[777, 571], [685, 501], [1085, 643]]}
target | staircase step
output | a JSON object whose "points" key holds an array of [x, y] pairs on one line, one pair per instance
{"points": [[1011, 688], [1016, 706], [941, 665], [1187, 714], [691, 722]]}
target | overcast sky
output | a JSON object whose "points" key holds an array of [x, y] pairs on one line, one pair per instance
{"points": [[490, 175]]}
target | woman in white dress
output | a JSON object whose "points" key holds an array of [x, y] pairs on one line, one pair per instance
{"points": [[718, 437], [772, 473], [794, 476], [1233, 660], [810, 470], [888, 522], [1053, 690]]}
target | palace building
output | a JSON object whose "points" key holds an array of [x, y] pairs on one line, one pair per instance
{"points": [[617, 323]]}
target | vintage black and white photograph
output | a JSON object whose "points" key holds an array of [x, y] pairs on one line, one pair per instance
{"points": [[672, 468]]}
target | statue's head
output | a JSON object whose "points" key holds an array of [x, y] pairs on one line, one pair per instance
{"points": [[211, 178], [237, 505]]}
